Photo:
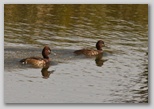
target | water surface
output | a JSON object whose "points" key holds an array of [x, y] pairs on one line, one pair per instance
{"points": [[119, 76]]}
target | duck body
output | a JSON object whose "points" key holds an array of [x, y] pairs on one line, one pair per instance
{"points": [[38, 61], [35, 61], [89, 52]]}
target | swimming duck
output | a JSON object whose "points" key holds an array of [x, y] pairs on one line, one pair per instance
{"points": [[38, 61], [89, 52]]}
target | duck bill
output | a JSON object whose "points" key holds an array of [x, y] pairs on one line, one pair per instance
{"points": [[53, 53]]}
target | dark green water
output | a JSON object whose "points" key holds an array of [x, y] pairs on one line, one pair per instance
{"points": [[120, 76]]}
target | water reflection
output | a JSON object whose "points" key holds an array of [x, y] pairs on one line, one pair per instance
{"points": [[45, 73], [99, 60]]}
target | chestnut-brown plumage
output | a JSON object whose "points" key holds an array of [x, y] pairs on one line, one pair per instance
{"points": [[38, 61], [89, 52]]}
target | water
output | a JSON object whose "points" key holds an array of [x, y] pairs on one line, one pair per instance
{"points": [[119, 76]]}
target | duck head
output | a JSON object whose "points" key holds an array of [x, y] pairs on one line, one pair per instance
{"points": [[45, 52], [100, 44]]}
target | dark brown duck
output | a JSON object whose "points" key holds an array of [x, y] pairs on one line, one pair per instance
{"points": [[38, 61], [89, 52]]}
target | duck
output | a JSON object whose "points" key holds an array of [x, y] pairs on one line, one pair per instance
{"points": [[39, 61], [89, 52]]}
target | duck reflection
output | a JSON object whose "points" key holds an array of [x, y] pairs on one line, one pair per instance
{"points": [[99, 60], [45, 72]]}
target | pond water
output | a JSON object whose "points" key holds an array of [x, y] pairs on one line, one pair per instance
{"points": [[120, 75]]}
